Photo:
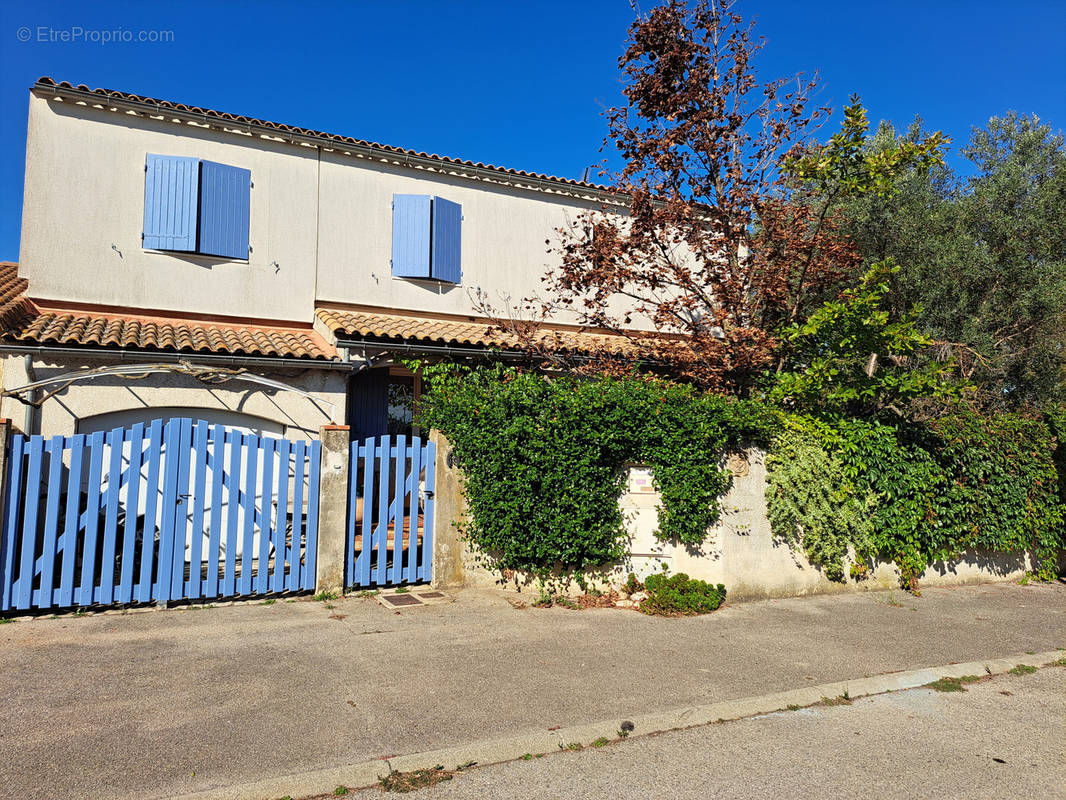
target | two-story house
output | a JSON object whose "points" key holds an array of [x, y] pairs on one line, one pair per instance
{"points": [[181, 261]]}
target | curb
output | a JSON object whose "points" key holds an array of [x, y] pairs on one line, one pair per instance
{"points": [[493, 751]]}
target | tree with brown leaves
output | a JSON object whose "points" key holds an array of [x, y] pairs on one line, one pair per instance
{"points": [[720, 244]]}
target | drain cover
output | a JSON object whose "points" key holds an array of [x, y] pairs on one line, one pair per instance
{"points": [[401, 600], [431, 595]]}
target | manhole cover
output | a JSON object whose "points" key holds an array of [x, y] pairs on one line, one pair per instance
{"points": [[401, 600], [431, 595]]}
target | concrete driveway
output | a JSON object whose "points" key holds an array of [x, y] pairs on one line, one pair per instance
{"points": [[161, 703]]}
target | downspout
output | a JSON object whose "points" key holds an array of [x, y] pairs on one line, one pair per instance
{"points": [[31, 376]]}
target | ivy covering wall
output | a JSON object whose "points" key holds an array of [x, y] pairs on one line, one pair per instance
{"points": [[544, 463]]}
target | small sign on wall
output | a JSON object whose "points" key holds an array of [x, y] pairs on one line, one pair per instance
{"points": [[641, 480]]}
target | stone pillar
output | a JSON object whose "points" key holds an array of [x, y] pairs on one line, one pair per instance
{"points": [[449, 508], [5, 438], [332, 509]]}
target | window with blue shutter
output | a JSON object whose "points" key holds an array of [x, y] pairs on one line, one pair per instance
{"points": [[411, 219], [171, 186], [447, 224], [196, 206], [224, 194], [426, 238]]}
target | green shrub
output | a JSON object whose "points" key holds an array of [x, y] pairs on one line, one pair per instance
{"points": [[544, 459], [679, 594]]}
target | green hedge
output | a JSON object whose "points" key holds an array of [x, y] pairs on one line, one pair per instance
{"points": [[544, 462]]}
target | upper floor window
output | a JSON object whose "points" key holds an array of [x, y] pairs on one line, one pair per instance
{"points": [[426, 240], [196, 206]]}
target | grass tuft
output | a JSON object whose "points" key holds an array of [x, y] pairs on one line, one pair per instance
{"points": [[416, 779]]}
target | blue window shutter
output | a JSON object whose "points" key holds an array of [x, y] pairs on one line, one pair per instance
{"points": [[225, 194], [447, 241], [170, 194], [410, 235]]}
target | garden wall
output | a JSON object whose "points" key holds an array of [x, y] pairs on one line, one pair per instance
{"points": [[741, 553]]}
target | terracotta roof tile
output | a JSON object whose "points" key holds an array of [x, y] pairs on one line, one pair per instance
{"points": [[409, 328], [25, 321], [50, 84]]}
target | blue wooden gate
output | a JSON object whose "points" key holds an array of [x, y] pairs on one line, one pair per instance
{"points": [[390, 511], [157, 512]]}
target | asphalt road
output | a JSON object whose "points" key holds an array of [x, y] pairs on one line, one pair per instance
{"points": [[1005, 737], [162, 703]]}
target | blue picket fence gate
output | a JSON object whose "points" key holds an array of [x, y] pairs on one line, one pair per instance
{"points": [[390, 511], [157, 512]]}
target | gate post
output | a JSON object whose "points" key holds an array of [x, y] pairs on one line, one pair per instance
{"points": [[332, 509], [449, 508], [5, 437]]}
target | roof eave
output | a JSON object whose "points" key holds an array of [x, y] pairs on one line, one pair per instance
{"points": [[370, 151]]}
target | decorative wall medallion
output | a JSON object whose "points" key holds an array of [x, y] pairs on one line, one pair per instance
{"points": [[737, 464]]}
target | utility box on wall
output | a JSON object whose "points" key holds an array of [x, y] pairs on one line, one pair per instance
{"points": [[639, 503]]}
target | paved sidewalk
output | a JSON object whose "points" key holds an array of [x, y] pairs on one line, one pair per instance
{"points": [[162, 703]]}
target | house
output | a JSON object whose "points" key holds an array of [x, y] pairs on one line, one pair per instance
{"points": [[179, 261]]}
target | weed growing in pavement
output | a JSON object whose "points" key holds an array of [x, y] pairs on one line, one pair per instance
{"points": [[325, 596], [340, 791], [544, 598], [369, 593], [402, 590], [953, 684], [626, 729], [1059, 663], [527, 757], [601, 741], [835, 701], [571, 746], [1022, 669], [793, 707], [416, 779], [6, 620], [269, 601]]}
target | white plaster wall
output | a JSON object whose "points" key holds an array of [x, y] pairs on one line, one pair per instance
{"points": [[740, 552], [321, 224], [504, 235], [299, 416], [84, 193]]}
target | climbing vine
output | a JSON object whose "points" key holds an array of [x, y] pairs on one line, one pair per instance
{"points": [[544, 463], [544, 459]]}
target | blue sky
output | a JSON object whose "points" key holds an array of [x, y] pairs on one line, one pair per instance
{"points": [[515, 84]]}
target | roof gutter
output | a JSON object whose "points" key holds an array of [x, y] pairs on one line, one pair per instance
{"points": [[138, 356], [414, 348], [364, 150]]}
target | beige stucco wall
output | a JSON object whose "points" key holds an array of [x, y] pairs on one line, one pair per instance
{"points": [[742, 553], [83, 212], [321, 224], [504, 231], [299, 416]]}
